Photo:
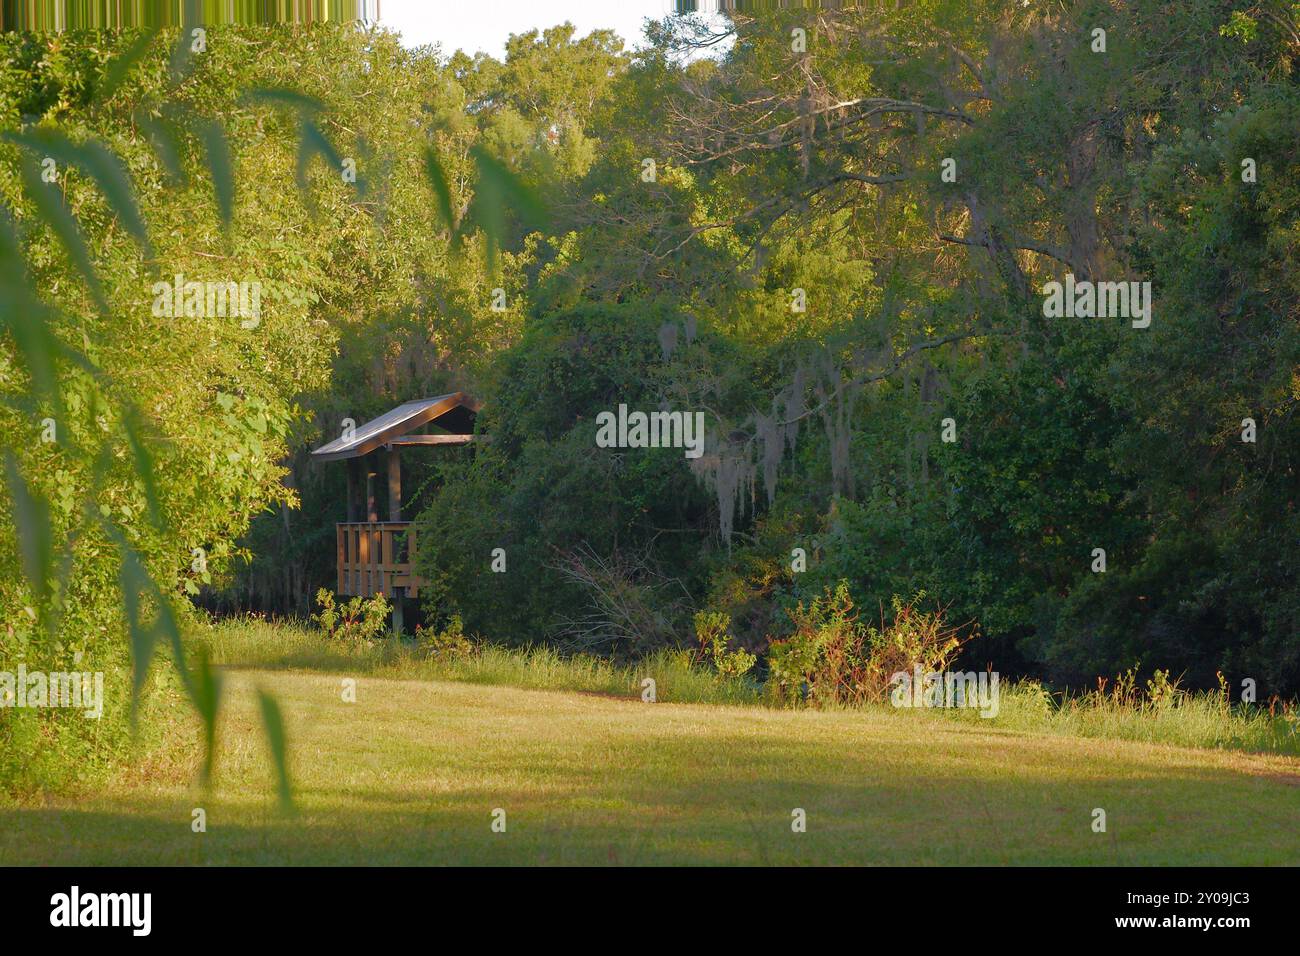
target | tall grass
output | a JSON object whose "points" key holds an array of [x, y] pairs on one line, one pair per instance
{"points": [[1190, 719], [255, 642], [1169, 716]]}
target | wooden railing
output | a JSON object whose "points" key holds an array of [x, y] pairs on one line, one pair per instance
{"points": [[374, 557]]}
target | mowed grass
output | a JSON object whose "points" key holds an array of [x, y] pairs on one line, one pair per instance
{"points": [[412, 772]]}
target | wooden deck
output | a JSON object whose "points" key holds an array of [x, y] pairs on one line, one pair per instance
{"points": [[375, 557]]}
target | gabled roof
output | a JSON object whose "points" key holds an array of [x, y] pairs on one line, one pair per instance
{"points": [[454, 411]]}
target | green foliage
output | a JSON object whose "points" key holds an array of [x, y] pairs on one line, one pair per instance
{"points": [[531, 491], [711, 630], [1241, 26], [158, 436], [358, 621], [834, 659], [447, 641], [255, 642], [274, 724], [178, 436]]}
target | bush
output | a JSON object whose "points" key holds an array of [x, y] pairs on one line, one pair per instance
{"points": [[446, 643], [631, 609], [359, 621], [712, 629], [832, 658]]}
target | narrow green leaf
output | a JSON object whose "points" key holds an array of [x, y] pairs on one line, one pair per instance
{"points": [[441, 191], [496, 190], [182, 58], [166, 626], [489, 206], [282, 97], [166, 144], [13, 267], [63, 578], [121, 65], [134, 584], [115, 184], [506, 187], [131, 419], [101, 164], [274, 725], [207, 687], [26, 321], [221, 167], [203, 686], [311, 144], [35, 535], [51, 208]]}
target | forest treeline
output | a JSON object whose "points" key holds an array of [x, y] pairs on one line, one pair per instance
{"points": [[830, 232]]}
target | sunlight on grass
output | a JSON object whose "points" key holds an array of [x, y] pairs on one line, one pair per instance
{"points": [[1189, 720], [412, 771], [253, 642]]}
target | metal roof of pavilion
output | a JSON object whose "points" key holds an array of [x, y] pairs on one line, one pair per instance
{"points": [[454, 411]]}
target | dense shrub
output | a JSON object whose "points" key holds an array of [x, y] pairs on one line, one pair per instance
{"points": [[833, 658], [358, 621], [712, 631], [445, 642]]}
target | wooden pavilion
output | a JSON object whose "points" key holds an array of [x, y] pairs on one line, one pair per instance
{"points": [[378, 556]]}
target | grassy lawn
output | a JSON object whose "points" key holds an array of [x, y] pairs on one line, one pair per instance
{"points": [[411, 774]]}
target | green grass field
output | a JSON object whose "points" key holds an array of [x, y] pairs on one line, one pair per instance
{"points": [[412, 772]]}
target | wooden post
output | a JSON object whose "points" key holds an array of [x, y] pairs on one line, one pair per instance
{"points": [[339, 536], [372, 505], [395, 514], [354, 489], [394, 485], [363, 559]]}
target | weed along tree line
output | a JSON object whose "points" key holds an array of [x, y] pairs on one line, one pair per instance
{"points": [[930, 356]]}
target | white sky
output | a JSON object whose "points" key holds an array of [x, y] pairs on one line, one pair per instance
{"points": [[473, 25]]}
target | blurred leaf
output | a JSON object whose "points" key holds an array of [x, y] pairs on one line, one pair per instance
{"points": [[115, 184], [134, 584], [121, 65], [50, 207], [38, 347], [182, 58], [14, 281], [441, 192], [274, 725], [508, 188], [143, 462], [166, 143], [203, 686], [489, 211], [498, 189], [220, 165], [25, 318], [35, 535], [207, 700], [167, 626], [101, 164], [313, 143], [66, 563], [290, 99]]}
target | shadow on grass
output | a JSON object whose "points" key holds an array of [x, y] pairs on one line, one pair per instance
{"points": [[685, 803]]}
